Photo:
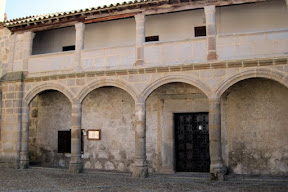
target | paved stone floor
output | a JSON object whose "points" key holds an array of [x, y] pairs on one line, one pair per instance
{"points": [[44, 179]]}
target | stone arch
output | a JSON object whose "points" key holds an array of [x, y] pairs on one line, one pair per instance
{"points": [[108, 82], [252, 73], [175, 79], [47, 86]]}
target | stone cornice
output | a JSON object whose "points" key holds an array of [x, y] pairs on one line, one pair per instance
{"points": [[177, 68]]}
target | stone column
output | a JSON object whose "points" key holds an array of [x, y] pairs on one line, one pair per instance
{"points": [[217, 170], [27, 48], [24, 157], [140, 39], [140, 165], [76, 165], [211, 32], [79, 45]]}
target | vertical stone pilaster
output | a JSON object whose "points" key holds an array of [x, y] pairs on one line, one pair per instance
{"points": [[76, 165], [140, 39], [79, 45], [21, 46], [211, 32], [12, 93], [217, 170], [140, 165], [24, 153], [27, 48], [11, 52]]}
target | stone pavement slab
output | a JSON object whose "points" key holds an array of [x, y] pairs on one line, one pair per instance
{"points": [[54, 180]]}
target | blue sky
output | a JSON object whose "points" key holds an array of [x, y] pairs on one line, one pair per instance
{"points": [[23, 8]]}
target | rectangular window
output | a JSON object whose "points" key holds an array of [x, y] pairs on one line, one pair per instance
{"points": [[68, 48], [200, 31], [151, 38], [64, 141]]}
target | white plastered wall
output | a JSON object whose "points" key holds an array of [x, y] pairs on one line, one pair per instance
{"points": [[52, 41], [252, 17], [110, 33], [175, 26], [263, 16], [2, 9]]}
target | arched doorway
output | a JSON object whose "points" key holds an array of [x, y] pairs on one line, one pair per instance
{"points": [[174, 113], [254, 127], [50, 129]]}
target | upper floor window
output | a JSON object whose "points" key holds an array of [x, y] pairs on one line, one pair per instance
{"points": [[68, 48], [200, 31]]}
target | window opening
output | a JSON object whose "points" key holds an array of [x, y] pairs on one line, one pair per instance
{"points": [[200, 31], [68, 48], [64, 141], [151, 38]]}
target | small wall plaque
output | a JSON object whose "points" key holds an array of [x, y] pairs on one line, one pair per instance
{"points": [[94, 134]]}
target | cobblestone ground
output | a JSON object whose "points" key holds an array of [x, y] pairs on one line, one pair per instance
{"points": [[40, 179]]}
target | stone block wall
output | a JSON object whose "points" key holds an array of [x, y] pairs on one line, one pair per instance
{"points": [[50, 112], [111, 110], [10, 124], [4, 50]]}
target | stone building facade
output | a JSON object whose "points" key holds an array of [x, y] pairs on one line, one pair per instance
{"points": [[133, 70]]}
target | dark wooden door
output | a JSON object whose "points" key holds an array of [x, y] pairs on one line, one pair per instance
{"points": [[192, 142]]}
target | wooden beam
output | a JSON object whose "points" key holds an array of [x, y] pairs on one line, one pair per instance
{"points": [[112, 17], [167, 8]]}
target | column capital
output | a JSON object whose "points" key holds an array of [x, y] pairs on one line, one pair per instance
{"points": [[79, 26], [214, 99], [29, 35], [210, 9], [140, 17]]}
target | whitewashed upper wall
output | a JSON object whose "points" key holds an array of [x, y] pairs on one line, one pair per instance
{"points": [[170, 27], [52, 41], [110, 33], [175, 26], [252, 17]]}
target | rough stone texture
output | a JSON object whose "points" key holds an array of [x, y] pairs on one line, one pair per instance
{"points": [[160, 106], [4, 50], [111, 110], [10, 124], [251, 54], [50, 112], [255, 121]]}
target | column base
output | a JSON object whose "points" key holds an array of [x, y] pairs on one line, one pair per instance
{"points": [[140, 172], [139, 62], [24, 160], [76, 168], [212, 56], [24, 164], [218, 173]]}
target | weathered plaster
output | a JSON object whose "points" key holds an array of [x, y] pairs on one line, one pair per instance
{"points": [[255, 127], [50, 112], [111, 110]]}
